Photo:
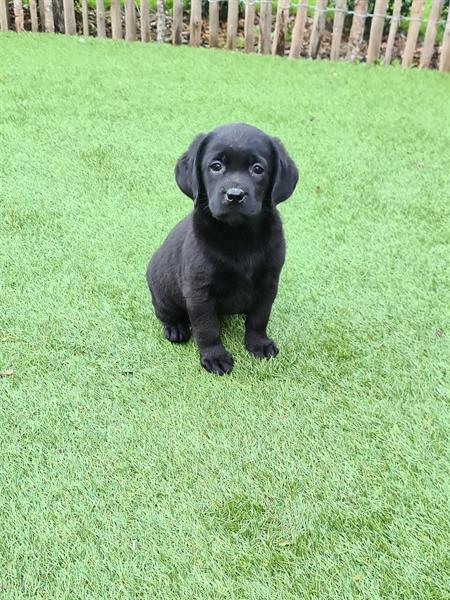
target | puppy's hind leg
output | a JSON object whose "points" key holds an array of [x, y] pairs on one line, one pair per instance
{"points": [[176, 325], [175, 321], [177, 332]]}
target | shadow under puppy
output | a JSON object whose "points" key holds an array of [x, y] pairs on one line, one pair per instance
{"points": [[225, 257]]}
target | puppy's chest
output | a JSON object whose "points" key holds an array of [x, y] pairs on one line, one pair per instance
{"points": [[235, 289]]}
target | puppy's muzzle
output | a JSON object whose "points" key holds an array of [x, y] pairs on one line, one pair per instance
{"points": [[234, 196]]}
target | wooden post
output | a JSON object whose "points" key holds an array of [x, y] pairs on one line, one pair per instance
{"points": [[160, 21], [130, 21], [232, 23], [444, 62], [4, 24], [265, 23], [49, 20], [213, 23], [116, 20], [145, 21], [18, 16], [413, 33], [196, 23], [33, 15], [41, 15], [317, 27], [357, 30], [69, 18], [177, 22], [101, 26], [281, 25], [299, 29], [85, 16], [249, 24], [392, 31], [338, 26], [376, 30], [430, 35]]}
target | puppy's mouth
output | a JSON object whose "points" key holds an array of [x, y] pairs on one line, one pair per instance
{"points": [[235, 215], [232, 218]]}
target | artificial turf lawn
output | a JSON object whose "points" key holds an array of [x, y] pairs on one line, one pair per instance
{"points": [[126, 470]]}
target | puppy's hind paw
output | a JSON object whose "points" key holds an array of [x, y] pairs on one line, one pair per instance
{"points": [[177, 332], [262, 348]]}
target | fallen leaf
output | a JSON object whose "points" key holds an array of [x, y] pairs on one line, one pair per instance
{"points": [[420, 164], [439, 332], [6, 372]]}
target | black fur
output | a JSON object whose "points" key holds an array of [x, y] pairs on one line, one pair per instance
{"points": [[225, 257]]}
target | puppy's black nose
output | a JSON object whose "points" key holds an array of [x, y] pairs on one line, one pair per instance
{"points": [[235, 195]]}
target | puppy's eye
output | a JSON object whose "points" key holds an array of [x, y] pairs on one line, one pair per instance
{"points": [[258, 169], [216, 166]]}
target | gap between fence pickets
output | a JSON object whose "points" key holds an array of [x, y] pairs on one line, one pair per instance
{"points": [[267, 44]]}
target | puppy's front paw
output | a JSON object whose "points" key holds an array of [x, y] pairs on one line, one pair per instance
{"points": [[262, 347], [217, 361], [177, 332]]}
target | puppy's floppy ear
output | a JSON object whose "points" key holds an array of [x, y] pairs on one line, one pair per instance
{"points": [[285, 174], [187, 169]]}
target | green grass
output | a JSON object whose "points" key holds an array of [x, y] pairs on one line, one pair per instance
{"points": [[129, 472]]}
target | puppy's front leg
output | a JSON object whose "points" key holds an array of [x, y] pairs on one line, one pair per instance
{"points": [[256, 319], [205, 328]]}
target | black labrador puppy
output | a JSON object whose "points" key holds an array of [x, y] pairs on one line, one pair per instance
{"points": [[225, 257]]}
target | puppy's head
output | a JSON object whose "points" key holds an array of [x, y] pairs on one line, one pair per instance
{"points": [[236, 171]]}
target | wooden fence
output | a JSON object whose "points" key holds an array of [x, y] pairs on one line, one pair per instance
{"points": [[320, 30]]}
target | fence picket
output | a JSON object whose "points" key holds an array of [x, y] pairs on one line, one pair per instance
{"points": [[376, 30], [232, 23], [430, 35], [392, 31], [357, 29], [444, 62], [177, 22], [281, 25], [265, 24], [4, 20], [249, 23], [49, 19], [160, 21], [130, 21], [69, 17], [338, 26], [85, 17], [317, 27], [41, 15], [101, 27], [18, 16], [213, 23], [33, 15], [116, 20], [145, 21], [196, 23], [413, 32], [299, 30]]}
